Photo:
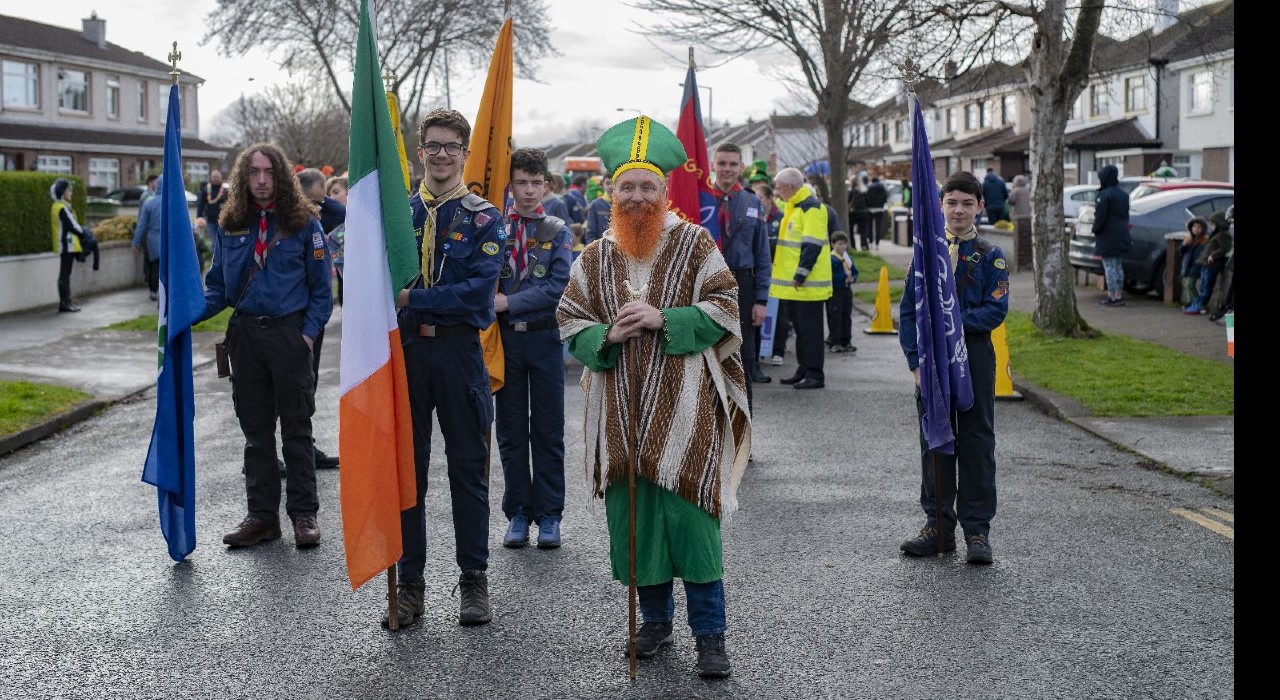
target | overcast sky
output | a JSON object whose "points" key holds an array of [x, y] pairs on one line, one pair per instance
{"points": [[604, 65]]}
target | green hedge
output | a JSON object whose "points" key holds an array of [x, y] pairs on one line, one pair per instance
{"points": [[24, 210]]}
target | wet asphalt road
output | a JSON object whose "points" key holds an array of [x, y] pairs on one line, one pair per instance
{"points": [[1099, 589]]}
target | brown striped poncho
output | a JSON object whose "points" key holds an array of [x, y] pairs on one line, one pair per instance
{"points": [[694, 425]]}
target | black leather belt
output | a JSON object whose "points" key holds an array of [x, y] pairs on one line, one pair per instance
{"points": [[525, 326], [266, 321], [744, 272], [428, 331]]}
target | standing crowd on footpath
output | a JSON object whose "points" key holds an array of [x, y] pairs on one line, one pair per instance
{"points": [[603, 270]]}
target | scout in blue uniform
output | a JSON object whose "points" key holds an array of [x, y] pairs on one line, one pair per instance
{"points": [[460, 240], [272, 266], [530, 405], [575, 201], [982, 285], [744, 242], [599, 211]]}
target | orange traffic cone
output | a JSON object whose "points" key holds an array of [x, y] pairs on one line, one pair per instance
{"points": [[882, 322], [1004, 375]]}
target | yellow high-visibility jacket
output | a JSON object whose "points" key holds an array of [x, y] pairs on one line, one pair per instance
{"points": [[803, 253], [65, 229]]}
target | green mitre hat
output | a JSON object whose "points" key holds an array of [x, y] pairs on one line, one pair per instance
{"points": [[640, 142]]}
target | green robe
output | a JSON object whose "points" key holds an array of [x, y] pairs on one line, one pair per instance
{"points": [[674, 538]]}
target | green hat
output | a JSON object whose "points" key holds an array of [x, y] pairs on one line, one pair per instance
{"points": [[759, 172], [640, 142]]}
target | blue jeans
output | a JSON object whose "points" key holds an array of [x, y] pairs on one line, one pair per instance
{"points": [[1208, 278], [1113, 268], [705, 602]]}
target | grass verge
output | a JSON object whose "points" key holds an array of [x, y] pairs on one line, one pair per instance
{"points": [[1114, 375], [148, 323], [24, 404], [869, 265]]}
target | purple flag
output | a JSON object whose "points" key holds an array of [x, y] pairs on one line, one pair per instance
{"points": [[945, 384]]}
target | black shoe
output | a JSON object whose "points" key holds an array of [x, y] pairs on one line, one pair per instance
{"points": [[760, 377], [409, 606], [68, 308], [324, 461], [979, 551], [809, 384], [712, 661], [793, 379], [926, 543], [474, 608], [306, 533], [650, 638]]}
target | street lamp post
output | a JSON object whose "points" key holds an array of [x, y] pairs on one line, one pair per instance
{"points": [[629, 109], [711, 106]]}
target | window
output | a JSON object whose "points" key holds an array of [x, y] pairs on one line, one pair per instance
{"points": [[884, 133], [866, 135], [1135, 94], [1008, 109], [1200, 92], [900, 130], [971, 116], [21, 85], [987, 112], [1097, 100], [142, 100], [164, 105], [104, 173], [1071, 158], [978, 165], [1182, 164], [951, 120], [1077, 109], [197, 172], [73, 90], [113, 96], [54, 164]]}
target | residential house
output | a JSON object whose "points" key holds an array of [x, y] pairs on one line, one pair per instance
{"points": [[72, 102]]}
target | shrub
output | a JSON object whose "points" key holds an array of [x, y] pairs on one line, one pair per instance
{"points": [[24, 210], [117, 228]]}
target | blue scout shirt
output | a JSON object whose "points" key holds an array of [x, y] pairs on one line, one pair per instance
{"points": [[555, 206], [296, 275], [535, 294], [469, 237], [576, 202], [599, 211], [984, 301], [745, 244]]}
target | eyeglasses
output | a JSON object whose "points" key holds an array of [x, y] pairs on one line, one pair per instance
{"points": [[433, 147]]}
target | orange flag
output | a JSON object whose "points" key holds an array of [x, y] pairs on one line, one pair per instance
{"points": [[488, 169]]}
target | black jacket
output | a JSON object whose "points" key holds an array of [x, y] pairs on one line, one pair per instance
{"points": [[1111, 215]]}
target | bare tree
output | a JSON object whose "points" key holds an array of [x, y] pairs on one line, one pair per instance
{"points": [[834, 42], [309, 125], [318, 38]]}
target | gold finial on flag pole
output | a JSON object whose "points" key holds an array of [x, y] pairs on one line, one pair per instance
{"points": [[174, 56], [692, 64]]}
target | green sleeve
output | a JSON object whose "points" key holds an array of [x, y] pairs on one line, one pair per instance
{"points": [[588, 346], [687, 330]]}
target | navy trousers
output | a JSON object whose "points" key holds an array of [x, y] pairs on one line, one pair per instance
{"points": [[530, 422]]}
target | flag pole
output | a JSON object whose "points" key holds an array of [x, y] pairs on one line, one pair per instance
{"points": [[910, 75]]}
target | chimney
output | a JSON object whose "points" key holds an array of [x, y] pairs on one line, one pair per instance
{"points": [[94, 30], [1166, 15]]}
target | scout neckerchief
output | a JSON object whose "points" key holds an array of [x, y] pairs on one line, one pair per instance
{"points": [[260, 246], [432, 203], [521, 224], [722, 207], [953, 244]]}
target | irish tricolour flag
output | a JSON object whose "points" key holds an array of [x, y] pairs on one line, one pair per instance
{"points": [[376, 434]]}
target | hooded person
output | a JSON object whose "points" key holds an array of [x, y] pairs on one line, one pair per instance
{"points": [[651, 310], [71, 241]]}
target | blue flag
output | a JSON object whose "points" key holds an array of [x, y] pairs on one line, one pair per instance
{"points": [[945, 384], [171, 458]]}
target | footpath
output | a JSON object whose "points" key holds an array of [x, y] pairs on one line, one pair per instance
{"points": [[76, 350]]}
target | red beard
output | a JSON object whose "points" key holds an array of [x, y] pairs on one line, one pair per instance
{"points": [[637, 227]]}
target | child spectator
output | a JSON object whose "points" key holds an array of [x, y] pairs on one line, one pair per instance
{"points": [[1199, 230], [577, 231], [1212, 261], [840, 305]]}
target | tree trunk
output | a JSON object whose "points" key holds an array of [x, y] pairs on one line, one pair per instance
{"points": [[837, 166]]}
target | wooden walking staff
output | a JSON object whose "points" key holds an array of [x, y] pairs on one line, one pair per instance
{"points": [[633, 413]]}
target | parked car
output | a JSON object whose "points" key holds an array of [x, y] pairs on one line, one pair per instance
{"points": [[1153, 186], [131, 196], [1150, 218], [1075, 195]]}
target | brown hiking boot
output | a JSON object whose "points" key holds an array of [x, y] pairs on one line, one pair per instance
{"points": [[251, 531], [474, 607], [306, 533], [409, 606]]}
